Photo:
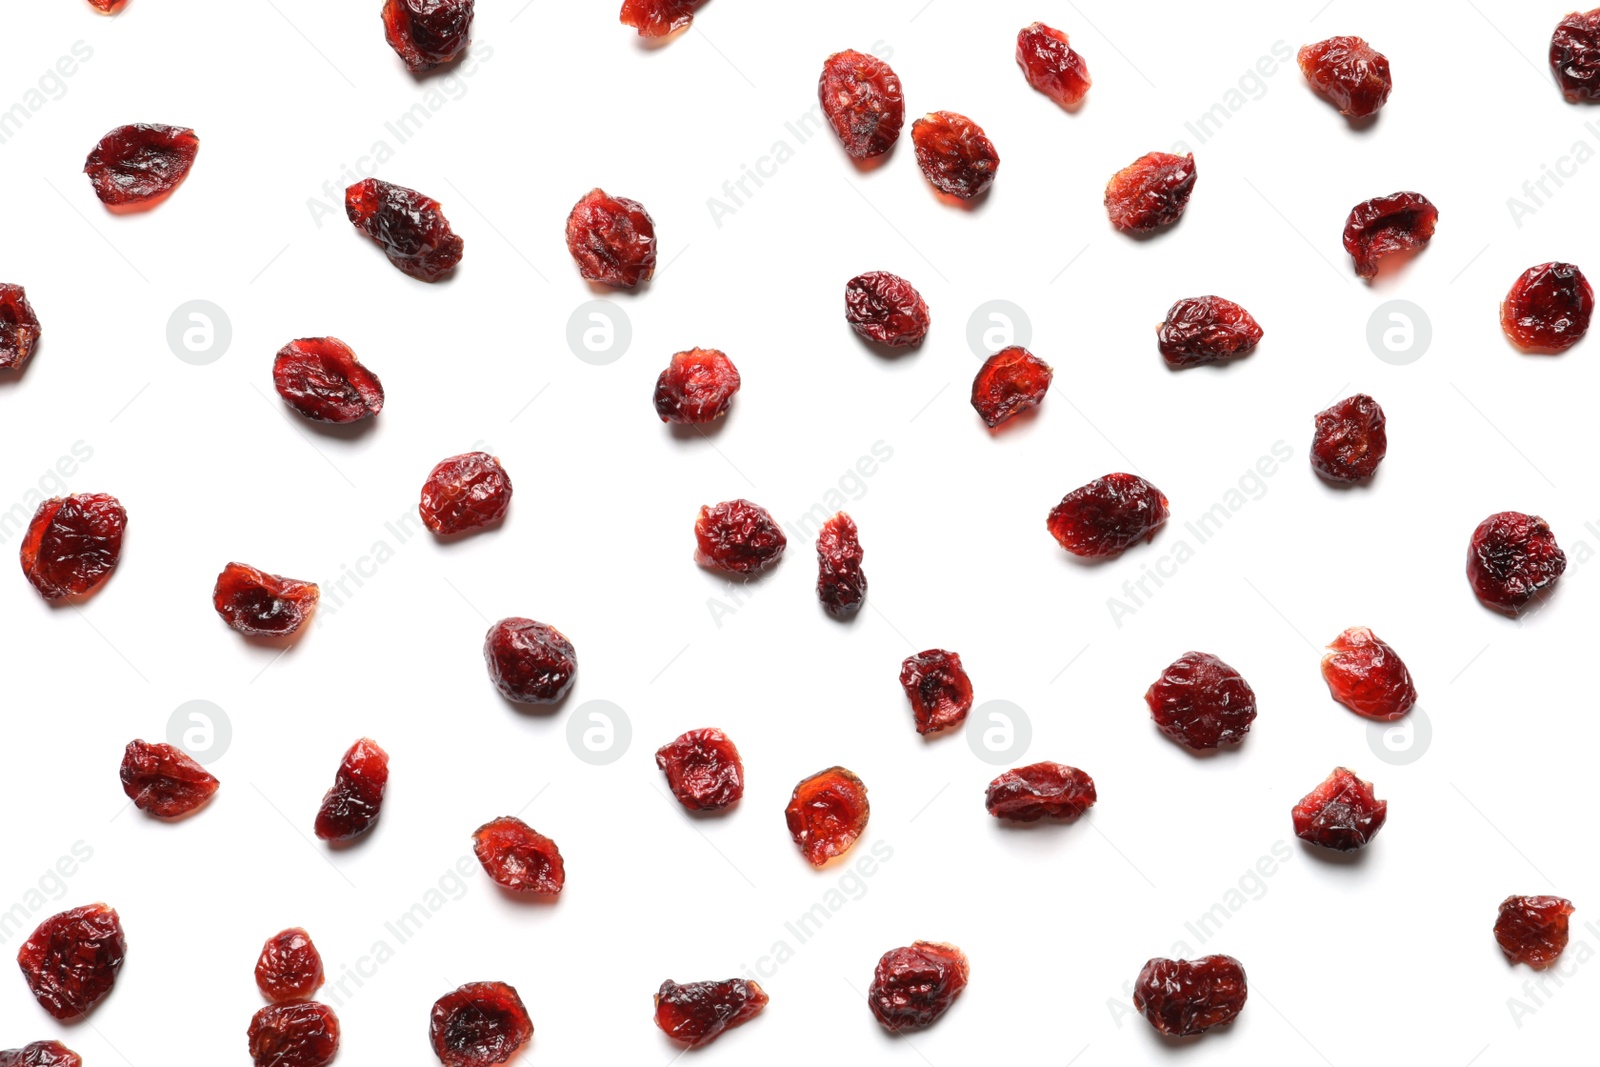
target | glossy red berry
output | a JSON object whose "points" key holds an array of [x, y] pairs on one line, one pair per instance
{"points": [[1548, 308], [697, 387], [1039, 791], [914, 986], [409, 226], [41, 1054], [301, 1034], [1201, 703], [1533, 930], [738, 537], [1385, 225], [1513, 558], [259, 604], [862, 98], [827, 814], [479, 1025], [1341, 814], [163, 781], [1575, 55], [519, 858], [465, 492], [321, 378], [1051, 66], [697, 1013], [351, 807], [885, 308], [955, 155], [72, 959], [1350, 73], [938, 688], [290, 967], [658, 18], [1010, 382], [1181, 998], [703, 770], [1108, 515], [427, 33], [73, 544], [1350, 441], [141, 163], [1367, 676], [841, 583], [1151, 192], [19, 327], [612, 239], [1206, 329], [530, 662]]}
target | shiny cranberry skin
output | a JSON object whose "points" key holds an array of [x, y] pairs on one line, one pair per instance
{"points": [[73, 544], [1367, 676], [163, 781], [1108, 515], [658, 18], [1201, 703], [1181, 998], [955, 155], [141, 163], [290, 967], [738, 537], [41, 1054], [479, 1025], [1206, 329], [259, 604], [1040, 791], [1350, 73], [697, 1013], [1575, 55], [827, 814], [938, 688], [1548, 308], [1051, 66], [71, 961], [529, 662], [1384, 225], [519, 858], [1533, 930], [465, 492], [862, 98], [885, 308], [703, 770], [352, 806], [1010, 382], [19, 327], [612, 239], [1341, 814], [1350, 440], [1150, 193], [321, 378], [427, 33], [841, 583], [1512, 559], [915, 985], [697, 387], [302, 1034], [409, 226]]}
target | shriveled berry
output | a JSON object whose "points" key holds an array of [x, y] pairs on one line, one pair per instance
{"points": [[827, 813], [290, 967], [351, 807], [1350, 440], [302, 1034], [1040, 791], [1548, 308], [321, 378], [915, 985], [1151, 192], [1384, 225], [841, 583], [1512, 559], [955, 155], [1108, 515], [261, 604], [1340, 814], [519, 857], [1533, 930], [1185, 997], [1575, 55], [41, 1054], [71, 961], [1201, 703], [1010, 381], [698, 1013], [862, 99], [409, 227], [106, 6], [479, 1025], [529, 662], [163, 781], [703, 770], [1206, 329], [465, 492], [1367, 676], [884, 307], [612, 239], [697, 387], [938, 688], [73, 544], [1350, 73], [140, 163], [738, 537], [427, 33], [19, 327], [1051, 66], [657, 18]]}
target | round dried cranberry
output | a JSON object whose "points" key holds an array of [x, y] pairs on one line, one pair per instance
{"points": [[519, 858], [1201, 702], [613, 240], [1575, 55], [352, 806], [703, 770], [1185, 997], [738, 537], [1512, 559], [1206, 329], [1108, 515], [302, 1034], [915, 985], [41, 1053], [140, 163], [698, 1013], [409, 226], [1340, 814], [427, 33], [261, 604], [71, 961], [290, 967], [1009, 382], [1384, 225], [1367, 676], [73, 544], [163, 781], [841, 583], [862, 99], [697, 387], [1051, 66], [1350, 440], [465, 492], [1040, 790], [938, 688], [1352, 74], [955, 155], [1151, 192], [1533, 930], [19, 327], [827, 813], [884, 307], [529, 662], [658, 18], [479, 1025], [1548, 308], [321, 378]]}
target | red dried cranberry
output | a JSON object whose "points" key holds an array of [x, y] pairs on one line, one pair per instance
{"points": [[884, 307], [1206, 329], [1151, 192], [1349, 72], [1039, 791], [1350, 440], [351, 807], [302, 1034], [140, 163], [41, 1054], [1533, 930], [19, 327], [518, 857], [1512, 559], [862, 99], [1548, 308], [613, 239], [409, 227], [427, 33], [1575, 55], [1400, 222], [657, 18], [261, 604], [163, 781], [1201, 702], [841, 584], [697, 387], [106, 6], [479, 1025], [1051, 66], [1185, 997], [323, 380], [1366, 675], [698, 1013], [913, 986], [290, 967], [955, 155], [1342, 813], [827, 813], [73, 544], [938, 688], [1108, 515], [529, 662], [703, 770], [738, 537], [1010, 381], [71, 961], [465, 492]]}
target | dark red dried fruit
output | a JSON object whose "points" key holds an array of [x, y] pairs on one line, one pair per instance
{"points": [[613, 239], [19, 327], [302, 1034], [738, 537], [1533, 930], [827, 813], [427, 33], [1108, 515], [41, 1054], [479, 1025], [1512, 559], [529, 662], [261, 604], [955, 155], [698, 1013], [351, 807], [1051, 66], [290, 967], [703, 770], [71, 961], [1010, 381], [1575, 55], [140, 163], [73, 544], [1349, 72], [518, 857], [1151, 192], [1039, 791], [1201, 702], [409, 227], [1350, 440], [1342, 813], [913, 986], [321, 378], [657, 18], [841, 584], [163, 781], [697, 386], [106, 6], [1206, 329], [938, 688], [1185, 997], [1367, 676], [1400, 222], [465, 492], [863, 101], [884, 307], [1548, 308]]}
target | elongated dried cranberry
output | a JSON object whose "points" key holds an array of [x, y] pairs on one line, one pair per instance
{"points": [[465, 492], [1206, 329], [290, 967], [73, 544], [1108, 515], [612, 239], [1181, 998], [827, 813], [915, 985], [1512, 559], [1350, 440], [519, 857], [163, 781], [1040, 791], [529, 662], [885, 308], [140, 163], [351, 807], [409, 227], [955, 155], [1367, 676], [427, 33], [738, 537], [321, 378], [479, 1025], [302, 1034], [41, 1054], [698, 1013], [703, 770], [1349, 72], [841, 583], [1548, 308], [1201, 703], [697, 387], [1051, 66], [1533, 930], [1575, 55], [1340, 814], [862, 99], [938, 688], [19, 327], [261, 604], [1010, 381], [1384, 225], [71, 961], [1151, 192], [657, 18]]}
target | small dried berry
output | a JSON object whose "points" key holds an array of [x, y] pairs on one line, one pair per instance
{"points": [[163, 781], [73, 544], [1185, 997], [427, 33], [1108, 515], [41, 1054], [1350, 73], [1010, 381], [1512, 559], [465, 492], [106, 6], [1384, 225], [1341, 814], [1206, 329], [409, 227], [738, 537], [19, 327], [1533, 930], [1202, 703], [140, 163], [1350, 440], [697, 387], [1040, 791], [518, 857], [1151, 192], [261, 604], [302, 1034], [479, 1025], [955, 155], [1548, 308], [351, 807], [863, 101], [529, 662], [657, 18], [71, 961], [613, 240], [703, 770], [1051, 66], [1575, 55], [938, 688], [290, 967], [884, 307], [913, 986], [827, 813], [698, 1013], [321, 378], [1366, 675], [841, 584]]}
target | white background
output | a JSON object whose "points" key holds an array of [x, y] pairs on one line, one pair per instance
{"points": [[1387, 959]]}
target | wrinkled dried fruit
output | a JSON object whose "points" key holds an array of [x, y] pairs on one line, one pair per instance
{"points": [[863, 101], [321, 378], [1201, 702], [657, 18], [938, 688], [163, 781], [409, 227], [41, 1054], [955, 155], [698, 1013], [827, 813], [1366, 675], [1185, 997], [703, 770], [302, 1034], [1108, 515], [427, 33], [613, 239], [518, 857], [73, 544], [261, 604], [913, 986], [697, 386], [139, 163], [1512, 559], [465, 492], [19, 327], [1151, 192], [1533, 930], [1010, 381], [841, 583], [106, 6], [1352, 74], [1575, 55], [1548, 308], [1350, 440], [1051, 66], [1206, 329], [479, 1025], [884, 307], [1040, 791], [351, 807], [1341, 813], [71, 961], [738, 537], [529, 662], [1400, 222], [290, 967]]}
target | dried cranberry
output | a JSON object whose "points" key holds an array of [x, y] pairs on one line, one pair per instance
{"points": [[140, 163], [1151, 192], [698, 1013], [1512, 559], [738, 537], [1206, 329], [529, 662], [1533, 930], [703, 770], [465, 492], [73, 544], [1350, 440], [302, 1034], [351, 807], [697, 387], [71, 961], [261, 604], [427, 33], [518, 857], [1010, 381], [1039, 791], [41, 1053], [409, 227], [883, 307], [1201, 702], [1400, 222], [862, 99], [913, 986], [1108, 515], [827, 813], [1352, 74], [290, 967], [955, 155], [1185, 997], [1575, 55], [613, 239], [938, 688], [479, 1025], [1051, 66], [657, 18], [163, 781], [1366, 675], [19, 327], [323, 380], [1548, 308], [841, 584], [1341, 813], [106, 6]]}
